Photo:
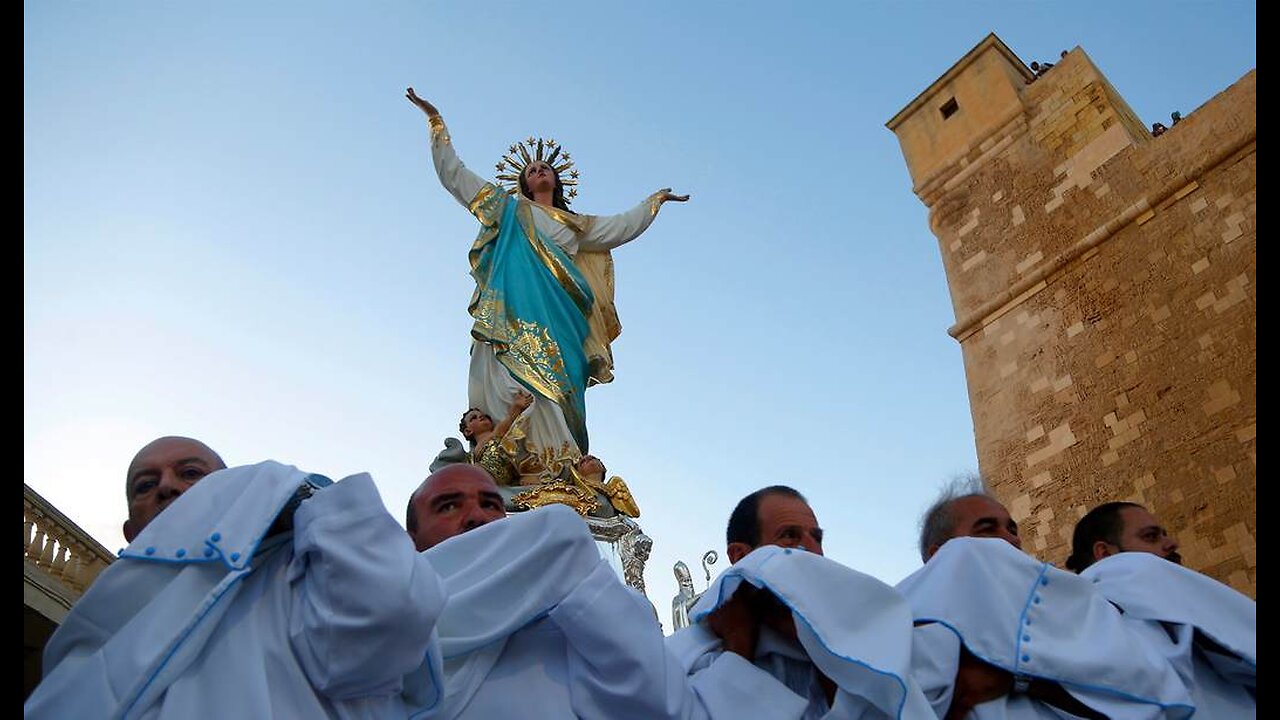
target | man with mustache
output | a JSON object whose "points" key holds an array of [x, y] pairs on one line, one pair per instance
{"points": [[1117, 527], [1000, 634], [1207, 631]]}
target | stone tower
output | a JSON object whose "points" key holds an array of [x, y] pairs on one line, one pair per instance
{"points": [[1104, 286]]}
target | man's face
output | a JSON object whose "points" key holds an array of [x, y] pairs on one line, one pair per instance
{"points": [[979, 516], [788, 522], [452, 501], [785, 521], [1143, 533], [159, 473]]}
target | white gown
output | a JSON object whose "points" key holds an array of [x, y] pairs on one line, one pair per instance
{"points": [[1171, 606], [1031, 619], [490, 385], [538, 625], [852, 627]]}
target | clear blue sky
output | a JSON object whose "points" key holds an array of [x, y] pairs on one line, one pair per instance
{"points": [[231, 230]]}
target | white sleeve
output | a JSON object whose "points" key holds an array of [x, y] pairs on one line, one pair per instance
{"points": [[461, 183], [935, 660], [731, 688], [621, 667], [365, 603], [609, 231], [618, 663]]}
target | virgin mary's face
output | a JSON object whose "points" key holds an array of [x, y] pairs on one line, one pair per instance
{"points": [[539, 176]]}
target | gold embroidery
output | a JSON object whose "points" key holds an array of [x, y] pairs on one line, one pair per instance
{"points": [[655, 202], [493, 458], [438, 130], [535, 344], [534, 356], [525, 348], [486, 236], [487, 205], [576, 223], [597, 269], [488, 310]]}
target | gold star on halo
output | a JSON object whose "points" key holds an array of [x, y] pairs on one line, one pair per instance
{"points": [[512, 166]]}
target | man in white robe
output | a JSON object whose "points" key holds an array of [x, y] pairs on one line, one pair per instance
{"points": [[261, 591], [1002, 635], [787, 633], [1206, 630], [537, 624]]}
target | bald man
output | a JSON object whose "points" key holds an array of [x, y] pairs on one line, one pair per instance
{"points": [[537, 623], [161, 471], [1000, 634], [451, 501]]}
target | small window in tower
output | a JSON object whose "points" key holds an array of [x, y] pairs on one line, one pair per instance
{"points": [[949, 108]]}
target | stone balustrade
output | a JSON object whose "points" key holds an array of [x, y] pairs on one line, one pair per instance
{"points": [[58, 546]]}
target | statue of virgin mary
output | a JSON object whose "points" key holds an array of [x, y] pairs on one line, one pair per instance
{"points": [[542, 310]]}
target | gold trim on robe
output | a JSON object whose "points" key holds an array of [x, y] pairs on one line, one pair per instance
{"points": [[438, 129], [597, 268], [524, 214]]}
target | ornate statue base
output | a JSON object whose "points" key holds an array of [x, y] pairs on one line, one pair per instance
{"points": [[607, 507], [623, 536], [620, 538]]}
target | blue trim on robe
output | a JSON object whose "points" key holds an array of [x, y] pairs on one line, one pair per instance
{"points": [[753, 570]]}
